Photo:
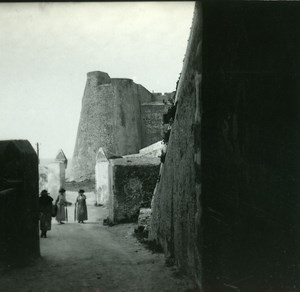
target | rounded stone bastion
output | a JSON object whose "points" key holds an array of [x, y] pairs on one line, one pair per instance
{"points": [[95, 78], [110, 118]]}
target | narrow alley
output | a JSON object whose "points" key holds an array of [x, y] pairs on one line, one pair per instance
{"points": [[93, 257], [179, 118]]}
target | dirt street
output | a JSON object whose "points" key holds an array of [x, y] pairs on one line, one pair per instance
{"points": [[93, 257]]}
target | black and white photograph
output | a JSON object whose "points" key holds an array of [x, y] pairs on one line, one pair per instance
{"points": [[150, 146]]}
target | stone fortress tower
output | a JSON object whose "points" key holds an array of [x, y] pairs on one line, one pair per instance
{"points": [[118, 115]]}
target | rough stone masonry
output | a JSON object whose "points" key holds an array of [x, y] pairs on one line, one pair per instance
{"points": [[118, 115], [131, 184], [227, 205]]}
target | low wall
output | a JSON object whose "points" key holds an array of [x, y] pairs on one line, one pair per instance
{"points": [[132, 181]]}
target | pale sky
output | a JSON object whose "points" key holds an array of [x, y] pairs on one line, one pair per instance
{"points": [[46, 49]]}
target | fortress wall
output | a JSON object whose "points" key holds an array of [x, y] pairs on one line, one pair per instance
{"points": [[127, 130], [152, 116], [227, 204], [145, 95], [110, 118], [95, 126], [176, 209]]}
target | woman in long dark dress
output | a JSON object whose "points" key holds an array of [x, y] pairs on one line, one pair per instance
{"points": [[81, 207], [45, 210]]}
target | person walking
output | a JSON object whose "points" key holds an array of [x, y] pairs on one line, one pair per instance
{"points": [[81, 210], [62, 203], [45, 212]]}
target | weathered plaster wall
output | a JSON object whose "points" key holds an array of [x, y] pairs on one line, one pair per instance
{"points": [[52, 173], [176, 207], [144, 94], [132, 181], [56, 174], [102, 184], [61, 157], [19, 234], [110, 118], [227, 206], [127, 116]]}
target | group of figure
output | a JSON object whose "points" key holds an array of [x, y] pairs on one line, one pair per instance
{"points": [[46, 208]]}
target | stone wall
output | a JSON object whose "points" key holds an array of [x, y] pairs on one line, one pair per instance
{"points": [[176, 206], [19, 233], [110, 118], [127, 116], [152, 115], [118, 115], [132, 181], [227, 205]]}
